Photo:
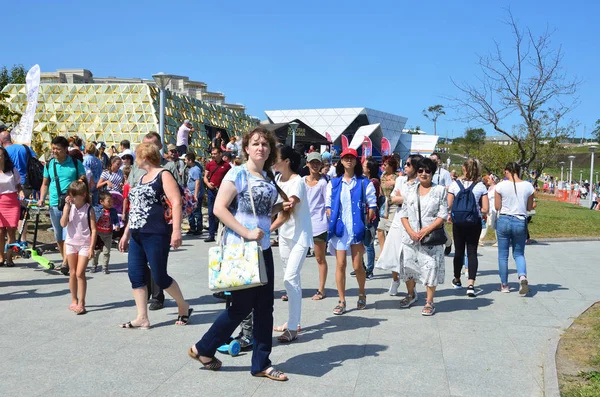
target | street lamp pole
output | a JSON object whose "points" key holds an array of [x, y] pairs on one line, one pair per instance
{"points": [[580, 176], [562, 164], [294, 125], [571, 168], [161, 80], [593, 150]]}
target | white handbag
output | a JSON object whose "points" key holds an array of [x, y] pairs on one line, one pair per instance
{"points": [[236, 266]]}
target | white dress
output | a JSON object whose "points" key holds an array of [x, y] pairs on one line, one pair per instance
{"points": [[390, 257], [423, 263]]}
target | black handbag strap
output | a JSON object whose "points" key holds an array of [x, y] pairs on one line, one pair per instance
{"points": [[58, 191], [419, 205]]}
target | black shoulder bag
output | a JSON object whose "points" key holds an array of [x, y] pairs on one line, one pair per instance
{"points": [[437, 236], [61, 197]]}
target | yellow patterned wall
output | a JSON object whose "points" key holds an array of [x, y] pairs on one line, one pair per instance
{"points": [[113, 112]]}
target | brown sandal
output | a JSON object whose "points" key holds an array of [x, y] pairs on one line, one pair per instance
{"points": [[318, 296], [214, 364], [273, 374], [287, 337]]}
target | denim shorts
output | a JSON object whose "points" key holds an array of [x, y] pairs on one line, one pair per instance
{"points": [[60, 233]]}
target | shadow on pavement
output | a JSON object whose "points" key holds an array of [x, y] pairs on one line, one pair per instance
{"points": [[337, 324], [320, 363], [31, 293], [462, 304]]}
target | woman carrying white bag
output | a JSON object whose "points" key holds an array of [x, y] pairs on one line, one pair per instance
{"points": [[259, 148]]}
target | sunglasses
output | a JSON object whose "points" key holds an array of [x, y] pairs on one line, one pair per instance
{"points": [[408, 164], [423, 170]]}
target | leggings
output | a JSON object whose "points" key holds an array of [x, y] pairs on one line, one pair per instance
{"points": [[466, 235]]}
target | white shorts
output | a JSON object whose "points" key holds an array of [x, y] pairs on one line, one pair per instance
{"points": [[82, 250]]}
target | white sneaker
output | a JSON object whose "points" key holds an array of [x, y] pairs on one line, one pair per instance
{"points": [[394, 287]]}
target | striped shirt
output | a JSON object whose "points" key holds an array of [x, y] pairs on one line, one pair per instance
{"points": [[116, 178]]}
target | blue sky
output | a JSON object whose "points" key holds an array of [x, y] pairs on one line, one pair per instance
{"points": [[393, 56]]}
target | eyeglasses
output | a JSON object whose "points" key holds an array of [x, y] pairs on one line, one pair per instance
{"points": [[408, 164], [424, 170]]}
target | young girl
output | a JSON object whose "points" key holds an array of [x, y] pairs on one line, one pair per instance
{"points": [[316, 186], [295, 237], [80, 241], [370, 170], [348, 196]]}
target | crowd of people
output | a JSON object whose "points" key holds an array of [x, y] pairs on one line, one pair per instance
{"points": [[254, 188]]}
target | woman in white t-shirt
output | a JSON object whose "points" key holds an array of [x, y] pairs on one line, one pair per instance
{"points": [[466, 230], [295, 237], [316, 189], [514, 197]]}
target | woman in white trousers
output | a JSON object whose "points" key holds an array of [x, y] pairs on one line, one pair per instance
{"points": [[295, 237]]}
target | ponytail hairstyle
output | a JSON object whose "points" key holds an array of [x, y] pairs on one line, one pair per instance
{"points": [[515, 169], [80, 188], [472, 169], [288, 153], [373, 168]]}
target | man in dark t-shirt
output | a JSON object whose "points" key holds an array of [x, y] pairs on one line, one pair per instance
{"points": [[213, 176]]}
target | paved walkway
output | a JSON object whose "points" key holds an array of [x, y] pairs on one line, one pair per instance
{"points": [[491, 345]]}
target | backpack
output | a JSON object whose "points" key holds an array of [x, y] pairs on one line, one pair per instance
{"points": [[464, 207], [35, 171]]}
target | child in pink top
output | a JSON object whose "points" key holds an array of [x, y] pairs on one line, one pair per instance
{"points": [[80, 241]]}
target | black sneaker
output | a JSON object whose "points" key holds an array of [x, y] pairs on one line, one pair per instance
{"points": [[456, 282], [220, 295], [471, 291], [370, 276], [191, 232], [353, 273], [210, 239], [106, 271], [64, 270], [156, 305]]}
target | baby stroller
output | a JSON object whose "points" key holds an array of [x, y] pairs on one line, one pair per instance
{"points": [[118, 205]]}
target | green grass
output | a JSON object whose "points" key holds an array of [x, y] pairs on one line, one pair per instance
{"points": [[557, 219], [579, 347]]}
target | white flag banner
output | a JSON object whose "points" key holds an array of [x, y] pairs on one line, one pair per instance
{"points": [[22, 132]]}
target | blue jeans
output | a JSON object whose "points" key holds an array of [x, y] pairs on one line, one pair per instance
{"points": [[95, 197], [148, 249], [370, 257], [242, 303], [60, 233], [511, 231], [212, 219], [195, 218]]}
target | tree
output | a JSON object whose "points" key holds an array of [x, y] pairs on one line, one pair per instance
{"points": [[474, 138], [17, 75], [596, 132], [494, 157], [433, 113], [531, 85]]}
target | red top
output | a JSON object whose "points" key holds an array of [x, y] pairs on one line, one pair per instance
{"points": [[103, 224], [126, 189], [216, 172]]}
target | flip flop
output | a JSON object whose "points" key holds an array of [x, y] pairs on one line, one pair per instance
{"points": [[80, 310], [318, 296], [184, 319], [287, 337], [214, 364], [128, 325]]}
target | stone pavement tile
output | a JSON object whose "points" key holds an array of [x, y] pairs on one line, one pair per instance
{"points": [[192, 380], [405, 380], [491, 382], [294, 387]]}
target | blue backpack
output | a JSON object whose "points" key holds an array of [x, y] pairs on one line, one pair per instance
{"points": [[464, 207]]}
